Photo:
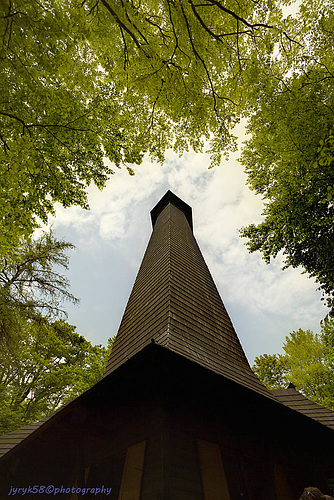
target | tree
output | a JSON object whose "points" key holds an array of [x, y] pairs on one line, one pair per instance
{"points": [[95, 80], [308, 363], [29, 283], [47, 365], [289, 158], [271, 370]]}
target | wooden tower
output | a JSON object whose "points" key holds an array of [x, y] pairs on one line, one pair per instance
{"points": [[179, 414]]}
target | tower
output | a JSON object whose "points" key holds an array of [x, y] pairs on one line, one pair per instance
{"points": [[179, 413]]}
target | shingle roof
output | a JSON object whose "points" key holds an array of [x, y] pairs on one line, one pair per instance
{"points": [[12, 439], [295, 400], [175, 302]]}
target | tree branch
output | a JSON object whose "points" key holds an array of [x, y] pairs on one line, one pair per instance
{"points": [[214, 94], [120, 23], [236, 16], [10, 115], [153, 107], [133, 24]]}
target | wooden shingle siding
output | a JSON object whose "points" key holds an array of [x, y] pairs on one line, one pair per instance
{"points": [[175, 302]]}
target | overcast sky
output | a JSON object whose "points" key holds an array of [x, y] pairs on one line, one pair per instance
{"points": [[264, 302]]}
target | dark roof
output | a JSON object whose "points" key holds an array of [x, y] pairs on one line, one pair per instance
{"points": [[175, 303], [170, 197], [295, 400], [12, 439]]}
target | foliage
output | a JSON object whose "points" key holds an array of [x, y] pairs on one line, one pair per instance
{"points": [[96, 80], [44, 367], [289, 158], [308, 363], [59, 116], [271, 370], [29, 281], [86, 81], [169, 55]]}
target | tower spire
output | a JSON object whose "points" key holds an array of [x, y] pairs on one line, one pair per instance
{"points": [[175, 303]]}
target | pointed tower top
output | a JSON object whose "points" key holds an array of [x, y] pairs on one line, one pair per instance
{"points": [[175, 305], [170, 197]]}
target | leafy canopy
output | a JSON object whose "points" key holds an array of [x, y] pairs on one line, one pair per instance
{"points": [[59, 116], [87, 81]]}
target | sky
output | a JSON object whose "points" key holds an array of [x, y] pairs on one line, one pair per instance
{"points": [[264, 302]]}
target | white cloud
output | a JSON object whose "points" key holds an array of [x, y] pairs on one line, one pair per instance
{"points": [[112, 225]]}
